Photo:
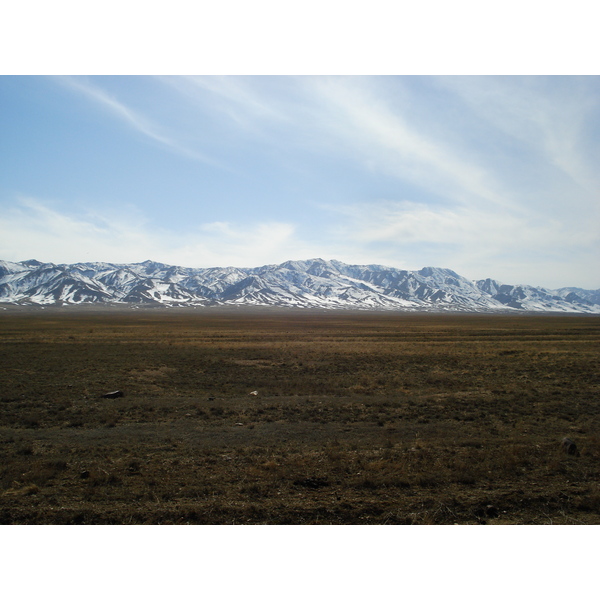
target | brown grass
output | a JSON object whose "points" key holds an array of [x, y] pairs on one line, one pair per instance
{"points": [[359, 418]]}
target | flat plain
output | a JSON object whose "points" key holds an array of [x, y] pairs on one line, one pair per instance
{"points": [[358, 417]]}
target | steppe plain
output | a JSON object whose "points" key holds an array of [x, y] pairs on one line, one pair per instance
{"points": [[359, 417]]}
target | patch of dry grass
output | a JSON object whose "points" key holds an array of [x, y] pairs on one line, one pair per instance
{"points": [[359, 418]]}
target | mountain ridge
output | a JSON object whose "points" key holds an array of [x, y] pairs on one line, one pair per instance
{"points": [[314, 283]]}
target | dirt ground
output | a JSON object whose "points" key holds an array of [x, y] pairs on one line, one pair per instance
{"points": [[358, 418]]}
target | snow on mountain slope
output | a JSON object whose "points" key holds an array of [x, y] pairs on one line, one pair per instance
{"points": [[10, 268], [573, 294], [315, 283], [59, 285], [525, 297]]}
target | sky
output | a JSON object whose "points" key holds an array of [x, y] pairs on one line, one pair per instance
{"points": [[491, 176]]}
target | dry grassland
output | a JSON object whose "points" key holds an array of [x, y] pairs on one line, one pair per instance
{"points": [[360, 418]]}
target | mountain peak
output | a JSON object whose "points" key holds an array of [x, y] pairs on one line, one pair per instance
{"points": [[32, 263], [313, 283]]}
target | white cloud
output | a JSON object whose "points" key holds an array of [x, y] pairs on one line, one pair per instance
{"points": [[383, 139], [354, 119], [511, 246], [235, 95], [398, 234], [344, 118], [550, 116], [132, 118], [32, 229], [509, 191], [405, 223]]}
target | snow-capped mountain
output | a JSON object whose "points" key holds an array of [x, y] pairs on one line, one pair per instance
{"points": [[312, 283]]}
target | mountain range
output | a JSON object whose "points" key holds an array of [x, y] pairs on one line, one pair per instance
{"points": [[315, 283]]}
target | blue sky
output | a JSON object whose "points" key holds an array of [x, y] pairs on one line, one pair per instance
{"points": [[492, 176]]}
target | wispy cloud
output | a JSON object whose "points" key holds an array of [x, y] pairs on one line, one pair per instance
{"points": [[33, 229], [399, 234], [404, 223], [379, 125], [550, 115], [236, 96], [474, 242], [382, 138], [133, 118], [490, 176], [349, 119]]}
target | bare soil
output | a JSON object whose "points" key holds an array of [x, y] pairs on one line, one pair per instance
{"points": [[359, 418]]}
